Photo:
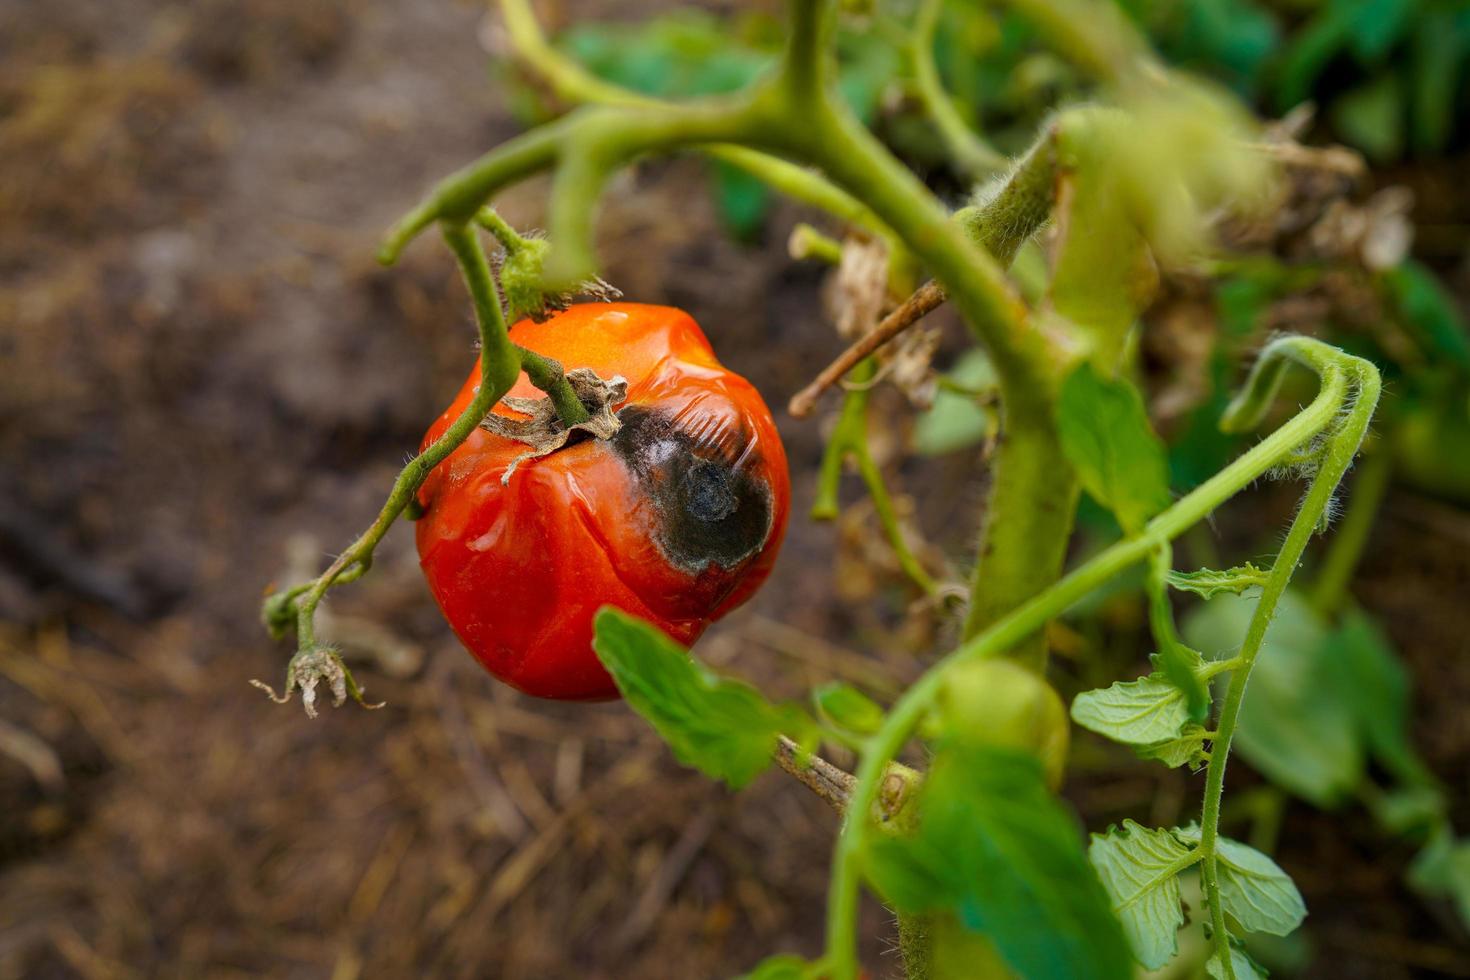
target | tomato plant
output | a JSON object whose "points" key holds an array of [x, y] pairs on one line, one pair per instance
{"points": [[676, 517], [644, 493]]}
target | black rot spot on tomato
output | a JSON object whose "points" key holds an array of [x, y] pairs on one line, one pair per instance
{"points": [[713, 509]]}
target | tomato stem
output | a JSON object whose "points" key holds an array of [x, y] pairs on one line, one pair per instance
{"points": [[547, 374]]}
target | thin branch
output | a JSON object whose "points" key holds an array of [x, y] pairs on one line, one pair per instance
{"points": [[925, 300], [832, 785], [1001, 221]]}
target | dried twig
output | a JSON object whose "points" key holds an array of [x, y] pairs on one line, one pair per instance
{"points": [[925, 299], [831, 784]]}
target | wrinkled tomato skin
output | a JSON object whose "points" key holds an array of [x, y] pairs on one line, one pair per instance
{"points": [[677, 519]]}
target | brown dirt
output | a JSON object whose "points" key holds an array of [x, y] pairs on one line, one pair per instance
{"points": [[209, 385]]}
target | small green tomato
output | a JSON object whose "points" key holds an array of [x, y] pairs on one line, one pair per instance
{"points": [[999, 702]]}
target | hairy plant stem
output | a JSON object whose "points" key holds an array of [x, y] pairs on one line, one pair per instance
{"points": [[1014, 627], [1341, 447], [1341, 561], [916, 946], [575, 84], [548, 374], [1001, 222], [974, 156], [500, 366]]}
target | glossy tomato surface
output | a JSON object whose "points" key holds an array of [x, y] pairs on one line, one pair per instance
{"points": [[676, 519]]}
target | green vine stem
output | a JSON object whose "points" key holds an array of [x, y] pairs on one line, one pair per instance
{"points": [[501, 363], [972, 154], [1341, 561], [849, 440], [1338, 372], [572, 82], [1006, 215], [1340, 447]]}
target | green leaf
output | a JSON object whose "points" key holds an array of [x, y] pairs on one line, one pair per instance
{"points": [[1371, 118], [724, 728], [1208, 583], [1378, 25], [1311, 49], [743, 200], [1408, 810], [957, 420], [848, 708], [1295, 727], [1254, 891], [1140, 868], [1442, 869], [1142, 712], [782, 967], [1429, 311], [1105, 434], [996, 849], [1245, 968], [1436, 65], [1377, 686], [682, 54], [1187, 749]]}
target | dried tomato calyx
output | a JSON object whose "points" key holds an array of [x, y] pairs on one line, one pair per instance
{"points": [[543, 430]]}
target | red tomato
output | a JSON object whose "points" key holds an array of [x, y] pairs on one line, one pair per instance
{"points": [[676, 519]]}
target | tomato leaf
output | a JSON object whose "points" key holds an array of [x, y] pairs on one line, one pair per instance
{"points": [[1147, 711], [1254, 891], [957, 420], [1188, 748], [1442, 869], [1243, 966], [1376, 684], [997, 850], [743, 200], [1428, 309], [1208, 583], [848, 708], [725, 728], [1294, 726], [1106, 435], [1138, 867]]}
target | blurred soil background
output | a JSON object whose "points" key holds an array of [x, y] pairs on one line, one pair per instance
{"points": [[208, 386]]}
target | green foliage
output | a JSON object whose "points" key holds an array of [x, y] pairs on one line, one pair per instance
{"points": [[1256, 893], [1442, 870], [1185, 749], [683, 54], [1377, 688], [996, 849], [1241, 965], [1208, 582], [1140, 868], [1106, 435], [1322, 699], [847, 708], [1001, 703], [1428, 310], [1291, 727], [1144, 712], [1388, 71], [724, 728], [957, 420]]}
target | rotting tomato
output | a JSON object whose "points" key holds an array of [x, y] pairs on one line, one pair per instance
{"points": [[676, 519]]}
